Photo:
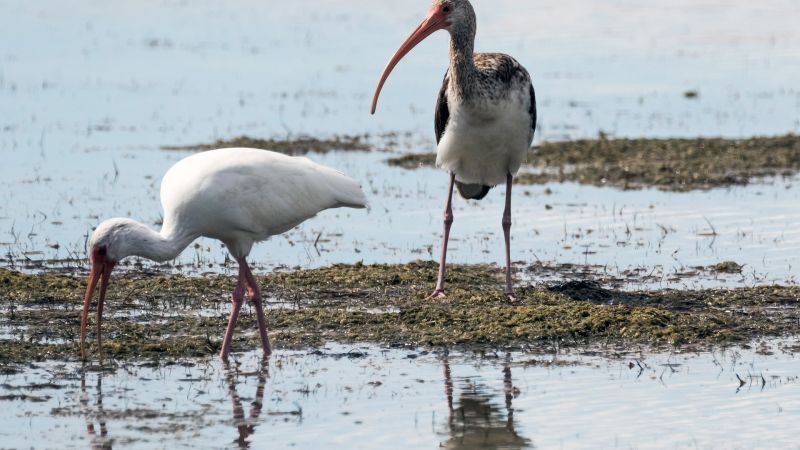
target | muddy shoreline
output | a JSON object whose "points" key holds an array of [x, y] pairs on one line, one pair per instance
{"points": [[666, 164], [304, 144], [156, 316]]}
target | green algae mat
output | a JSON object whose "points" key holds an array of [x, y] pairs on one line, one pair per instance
{"points": [[176, 316], [666, 164]]}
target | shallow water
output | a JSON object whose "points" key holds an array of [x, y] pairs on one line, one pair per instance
{"points": [[90, 92], [664, 234], [371, 397]]}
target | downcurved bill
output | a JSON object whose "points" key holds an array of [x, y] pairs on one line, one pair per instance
{"points": [[436, 20], [101, 272]]}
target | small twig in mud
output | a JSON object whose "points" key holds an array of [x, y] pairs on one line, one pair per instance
{"points": [[10, 258], [710, 225], [209, 344], [641, 368], [14, 234], [316, 242], [116, 170]]}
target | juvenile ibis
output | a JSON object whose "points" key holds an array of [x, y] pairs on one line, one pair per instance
{"points": [[485, 117], [239, 196]]}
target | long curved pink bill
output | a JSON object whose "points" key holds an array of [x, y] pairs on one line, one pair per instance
{"points": [[435, 21], [101, 302], [94, 278]]}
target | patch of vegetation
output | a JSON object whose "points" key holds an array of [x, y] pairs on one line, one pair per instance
{"points": [[413, 160], [175, 316], [297, 146], [667, 164], [728, 267]]}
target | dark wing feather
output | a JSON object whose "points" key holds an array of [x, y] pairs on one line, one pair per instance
{"points": [[442, 110], [507, 71], [533, 112]]}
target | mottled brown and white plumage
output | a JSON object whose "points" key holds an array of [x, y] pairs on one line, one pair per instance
{"points": [[485, 116]]}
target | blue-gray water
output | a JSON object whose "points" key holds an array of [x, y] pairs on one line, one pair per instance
{"points": [[366, 397], [91, 90]]}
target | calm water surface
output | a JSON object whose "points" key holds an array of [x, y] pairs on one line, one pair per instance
{"points": [[90, 91], [368, 397]]}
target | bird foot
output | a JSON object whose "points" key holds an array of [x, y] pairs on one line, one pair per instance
{"points": [[512, 299], [437, 295]]}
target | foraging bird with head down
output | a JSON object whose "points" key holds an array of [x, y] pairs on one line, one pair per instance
{"points": [[239, 196], [485, 117]]}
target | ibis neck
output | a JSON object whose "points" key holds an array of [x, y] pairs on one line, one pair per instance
{"points": [[159, 246], [463, 73]]}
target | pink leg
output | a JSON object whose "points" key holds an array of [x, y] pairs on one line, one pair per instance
{"points": [[448, 222], [238, 299], [255, 293], [507, 232]]}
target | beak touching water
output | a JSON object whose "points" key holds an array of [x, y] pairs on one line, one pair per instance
{"points": [[100, 272], [435, 21]]}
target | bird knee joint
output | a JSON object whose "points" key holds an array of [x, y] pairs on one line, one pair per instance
{"points": [[448, 218], [507, 222]]}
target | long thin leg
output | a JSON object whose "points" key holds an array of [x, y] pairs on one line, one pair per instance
{"points": [[255, 293], [448, 222], [507, 232], [238, 299]]}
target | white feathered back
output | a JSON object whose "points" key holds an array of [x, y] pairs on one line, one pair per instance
{"points": [[245, 195]]}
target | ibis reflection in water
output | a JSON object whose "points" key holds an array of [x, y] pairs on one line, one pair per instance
{"points": [[100, 439], [246, 426], [476, 422]]}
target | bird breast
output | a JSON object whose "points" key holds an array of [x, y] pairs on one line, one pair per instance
{"points": [[485, 139]]}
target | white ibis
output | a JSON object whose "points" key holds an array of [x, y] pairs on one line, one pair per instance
{"points": [[485, 117], [239, 196]]}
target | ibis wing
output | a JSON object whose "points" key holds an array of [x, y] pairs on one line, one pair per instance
{"points": [[257, 192], [442, 110], [533, 112]]}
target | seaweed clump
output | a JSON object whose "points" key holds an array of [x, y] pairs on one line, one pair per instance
{"points": [[175, 316], [296, 146], [666, 164], [728, 267]]}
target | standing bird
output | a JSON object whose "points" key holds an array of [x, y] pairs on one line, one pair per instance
{"points": [[239, 196], [485, 117]]}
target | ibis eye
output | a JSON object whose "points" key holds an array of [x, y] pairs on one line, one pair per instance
{"points": [[101, 251], [446, 9]]}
